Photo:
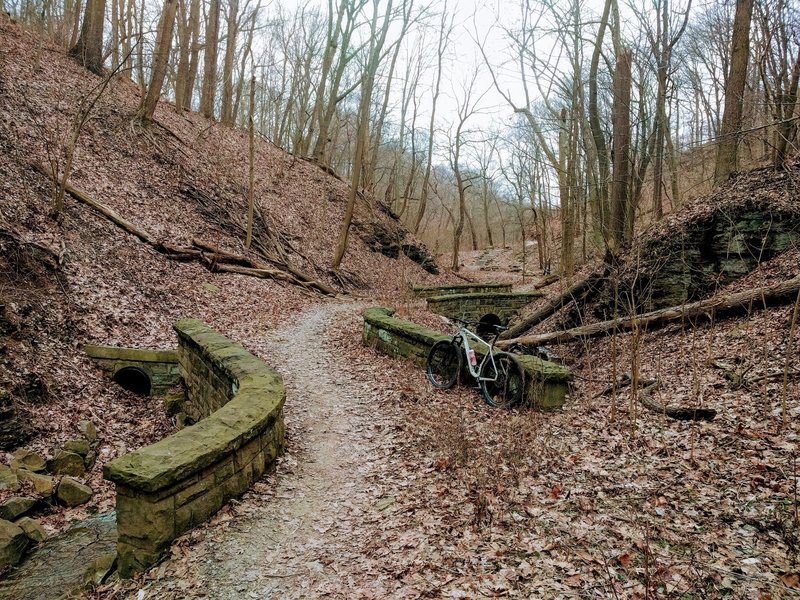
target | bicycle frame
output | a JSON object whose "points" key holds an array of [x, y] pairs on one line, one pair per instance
{"points": [[474, 370]]}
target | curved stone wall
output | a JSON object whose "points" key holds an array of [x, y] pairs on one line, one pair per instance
{"points": [[165, 489]]}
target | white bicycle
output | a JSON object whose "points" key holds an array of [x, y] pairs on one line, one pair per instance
{"points": [[500, 377]]}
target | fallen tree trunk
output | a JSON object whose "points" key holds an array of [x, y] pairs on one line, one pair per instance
{"points": [[252, 266], [673, 412], [695, 311], [104, 210], [543, 283], [214, 258], [553, 305]]}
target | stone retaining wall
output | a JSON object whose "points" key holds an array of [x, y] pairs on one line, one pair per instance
{"points": [[161, 366], [165, 489], [547, 382], [428, 291], [475, 306]]}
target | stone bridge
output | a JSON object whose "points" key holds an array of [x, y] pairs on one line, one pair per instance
{"points": [[429, 291], [475, 306]]}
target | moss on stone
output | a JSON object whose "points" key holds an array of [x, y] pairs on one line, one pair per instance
{"points": [[426, 291]]}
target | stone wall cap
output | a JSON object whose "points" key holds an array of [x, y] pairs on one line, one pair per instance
{"points": [[167, 355]]}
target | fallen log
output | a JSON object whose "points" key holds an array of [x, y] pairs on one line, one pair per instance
{"points": [[104, 210], [543, 283], [540, 314], [297, 276], [673, 412], [702, 310], [218, 259]]}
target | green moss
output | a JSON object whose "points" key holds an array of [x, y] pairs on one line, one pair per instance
{"points": [[131, 354]]}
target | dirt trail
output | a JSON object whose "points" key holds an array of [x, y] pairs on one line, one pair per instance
{"points": [[301, 532]]}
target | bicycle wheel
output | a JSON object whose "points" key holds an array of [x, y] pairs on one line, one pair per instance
{"points": [[444, 364], [502, 382]]}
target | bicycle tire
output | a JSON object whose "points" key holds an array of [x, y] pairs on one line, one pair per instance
{"points": [[443, 366], [502, 382]]}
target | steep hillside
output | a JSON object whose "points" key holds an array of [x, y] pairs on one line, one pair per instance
{"points": [[80, 278]]}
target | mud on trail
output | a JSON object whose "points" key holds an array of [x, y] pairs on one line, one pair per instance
{"points": [[302, 530]]}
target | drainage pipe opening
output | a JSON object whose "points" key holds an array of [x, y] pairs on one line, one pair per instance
{"points": [[133, 379]]}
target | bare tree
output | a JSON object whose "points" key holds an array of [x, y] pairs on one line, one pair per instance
{"points": [[158, 70], [372, 60], [467, 107], [209, 87], [89, 47], [662, 43], [728, 144], [445, 31]]}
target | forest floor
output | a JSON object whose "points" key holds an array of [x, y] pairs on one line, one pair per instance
{"points": [[388, 488], [391, 489]]}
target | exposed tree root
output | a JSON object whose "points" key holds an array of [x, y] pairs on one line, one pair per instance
{"points": [[648, 386]]}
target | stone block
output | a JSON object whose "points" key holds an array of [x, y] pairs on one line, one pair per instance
{"points": [[15, 507], [198, 510], [196, 489], [8, 479], [66, 463], [88, 430], [28, 460], [33, 529], [237, 484], [150, 523], [132, 558], [246, 453], [13, 542], [72, 492], [80, 447], [44, 485]]}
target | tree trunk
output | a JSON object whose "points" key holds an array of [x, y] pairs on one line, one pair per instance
{"points": [[89, 47], [698, 311], [620, 197], [209, 88], [184, 43], [570, 295], [194, 54], [158, 69], [251, 162], [226, 116], [728, 144]]}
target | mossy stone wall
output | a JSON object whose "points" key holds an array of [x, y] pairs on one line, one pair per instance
{"points": [[547, 381], [165, 489], [473, 306], [161, 366], [428, 291]]}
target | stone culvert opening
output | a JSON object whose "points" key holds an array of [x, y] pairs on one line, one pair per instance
{"points": [[487, 325], [134, 380]]}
